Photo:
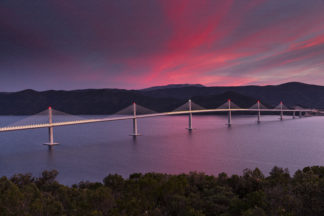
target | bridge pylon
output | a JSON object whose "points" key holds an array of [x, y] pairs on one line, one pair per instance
{"points": [[190, 115], [229, 118], [281, 112], [135, 129], [50, 142], [259, 112], [258, 106]]}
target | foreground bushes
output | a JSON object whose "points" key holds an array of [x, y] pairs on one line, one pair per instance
{"points": [[194, 194]]}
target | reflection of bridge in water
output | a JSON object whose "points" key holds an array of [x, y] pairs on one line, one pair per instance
{"points": [[135, 112]]}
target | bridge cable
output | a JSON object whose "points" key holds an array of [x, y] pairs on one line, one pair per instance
{"points": [[185, 107], [140, 110]]}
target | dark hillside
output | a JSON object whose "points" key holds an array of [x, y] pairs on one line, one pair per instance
{"points": [[110, 101], [291, 94], [101, 101], [214, 101]]}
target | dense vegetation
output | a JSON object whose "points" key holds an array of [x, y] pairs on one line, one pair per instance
{"points": [[161, 194]]}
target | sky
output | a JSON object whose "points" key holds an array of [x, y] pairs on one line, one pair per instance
{"points": [[78, 44]]}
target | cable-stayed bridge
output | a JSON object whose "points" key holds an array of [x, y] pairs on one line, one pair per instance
{"points": [[133, 112]]}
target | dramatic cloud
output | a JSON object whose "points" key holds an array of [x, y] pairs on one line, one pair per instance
{"points": [[59, 44]]}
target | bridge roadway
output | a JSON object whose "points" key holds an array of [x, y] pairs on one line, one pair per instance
{"points": [[88, 121]]}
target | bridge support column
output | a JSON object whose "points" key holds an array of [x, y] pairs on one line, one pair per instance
{"points": [[229, 120], [51, 142], [300, 114], [259, 113], [190, 116], [135, 130], [294, 115], [281, 112]]}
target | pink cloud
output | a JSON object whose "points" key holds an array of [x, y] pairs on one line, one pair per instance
{"points": [[138, 45]]}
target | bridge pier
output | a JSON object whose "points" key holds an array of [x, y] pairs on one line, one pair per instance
{"points": [[51, 142], [300, 114], [259, 112], [294, 115], [281, 112], [190, 116], [229, 120], [135, 130]]}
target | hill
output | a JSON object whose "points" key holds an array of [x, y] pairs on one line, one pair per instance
{"points": [[109, 101], [102, 101], [171, 86], [90, 101], [214, 101], [291, 94]]}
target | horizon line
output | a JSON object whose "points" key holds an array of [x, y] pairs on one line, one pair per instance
{"points": [[161, 86]]}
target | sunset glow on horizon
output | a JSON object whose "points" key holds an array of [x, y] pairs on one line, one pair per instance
{"points": [[76, 44]]}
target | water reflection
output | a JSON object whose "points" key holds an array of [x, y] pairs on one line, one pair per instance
{"points": [[90, 152]]}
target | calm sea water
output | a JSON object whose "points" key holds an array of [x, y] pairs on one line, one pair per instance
{"points": [[90, 152]]}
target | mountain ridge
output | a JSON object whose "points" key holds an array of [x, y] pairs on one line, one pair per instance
{"points": [[293, 93], [169, 86], [109, 101]]}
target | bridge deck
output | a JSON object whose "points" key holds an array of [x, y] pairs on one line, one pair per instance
{"points": [[59, 124]]}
